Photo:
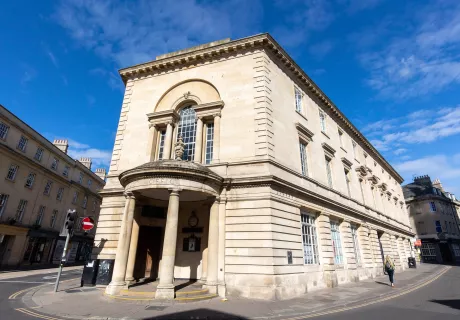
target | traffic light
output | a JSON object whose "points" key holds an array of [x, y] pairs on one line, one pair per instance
{"points": [[70, 219]]}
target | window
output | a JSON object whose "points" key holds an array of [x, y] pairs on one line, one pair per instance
{"points": [[30, 180], [55, 164], [209, 142], [59, 194], [85, 202], [329, 172], [432, 206], [456, 249], [65, 173], [3, 201], [362, 190], [347, 180], [22, 144], [336, 243], [303, 158], [38, 154], [187, 129], [354, 149], [47, 191], [298, 100], [161, 144], [428, 250], [3, 130], [94, 206], [11, 175], [341, 138], [322, 121], [41, 213], [90, 182], [80, 178], [75, 197], [21, 210], [309, 240], [53, 218], [354, 236]]}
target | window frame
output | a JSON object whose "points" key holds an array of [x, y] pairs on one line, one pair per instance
{"points": [[85, 202], [80, 178], [355, 240], [66, 170], [330, 181], [209, 143], [89, 183], [14, 172], [60, 193], [21, 209], [75, 197], [298, 98], [354, 146], [3, 202], [429, 248], [30, 180], [161, 143], [303, 149], [433, 206], [4, 128], [39, 154], [347, 180], [341, 133], [40, 215], [322, 121], [187, 128], [309, 232], [22, 143], [55, 164], [336, 242], [48, 186], [53, 218]]}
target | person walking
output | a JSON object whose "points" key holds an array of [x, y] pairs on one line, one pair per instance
{"points": [[389, 269]]}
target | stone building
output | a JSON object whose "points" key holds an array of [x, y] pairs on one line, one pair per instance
{"points": [[275, 193], [39, 183], [434, 216]]}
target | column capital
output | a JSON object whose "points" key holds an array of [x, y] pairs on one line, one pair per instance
{"points": [[129, 195], [174, 191], [171, 123], [218, 114]]}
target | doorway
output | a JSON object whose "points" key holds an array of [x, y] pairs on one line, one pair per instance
{"points": [[445, 253], [148, 253]]}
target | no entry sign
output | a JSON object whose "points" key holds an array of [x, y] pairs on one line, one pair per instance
{"points": [[87, 223]]}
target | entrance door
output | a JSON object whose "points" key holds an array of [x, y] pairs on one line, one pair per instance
{"points": [[3, 248], [148, 253], [445, 253]]}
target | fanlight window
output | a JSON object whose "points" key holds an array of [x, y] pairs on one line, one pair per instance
{"points": [[187, 129]]}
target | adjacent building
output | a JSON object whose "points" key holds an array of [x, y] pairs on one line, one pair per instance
{"points": [[232, 167], [39, 183], [434, 217]]}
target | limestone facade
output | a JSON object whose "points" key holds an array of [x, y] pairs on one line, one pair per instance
{"points": [[295, 199], [39, 183]]}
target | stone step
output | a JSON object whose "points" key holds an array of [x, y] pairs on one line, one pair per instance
{"points": [[195, 294], [196, 298]]}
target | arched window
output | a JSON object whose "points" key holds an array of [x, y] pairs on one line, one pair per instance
{"points": [[187, 129]]}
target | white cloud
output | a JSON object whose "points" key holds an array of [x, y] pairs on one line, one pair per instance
{"points": [[446, 168], [399, 151], [423, 62], [423, 126]]}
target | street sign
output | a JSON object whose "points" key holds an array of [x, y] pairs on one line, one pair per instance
{"points": [[87, 223]]}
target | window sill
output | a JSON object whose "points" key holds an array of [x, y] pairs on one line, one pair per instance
{"points": [[325, 134], [300, 114], [10, 180], [343, 149]]}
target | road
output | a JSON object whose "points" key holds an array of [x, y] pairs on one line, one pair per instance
{"points": [[11, 286], [438, 300]]}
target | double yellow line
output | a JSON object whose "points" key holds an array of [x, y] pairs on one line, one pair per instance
{"points": [[36, 315], [365, 304], [16, 294]]}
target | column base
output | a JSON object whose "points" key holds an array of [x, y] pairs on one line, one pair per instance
{"points": [[114, 288], [221, 290], [165, 292], [130, 281], [211, 287]]}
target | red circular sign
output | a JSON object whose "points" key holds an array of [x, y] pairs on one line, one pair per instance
{"points": [[87, 223]]}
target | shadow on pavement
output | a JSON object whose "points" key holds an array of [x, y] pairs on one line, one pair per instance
{"points": [[454, 304], [198, 314], [382, 283]]}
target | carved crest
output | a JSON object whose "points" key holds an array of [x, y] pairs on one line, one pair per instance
{"points": [[179, 148], [186, 94]]}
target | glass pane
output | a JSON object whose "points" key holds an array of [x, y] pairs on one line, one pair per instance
{"points": [[187, 129]]}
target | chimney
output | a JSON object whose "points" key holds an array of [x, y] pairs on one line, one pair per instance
{"points": [[86, 162], [62, 144], [101, 173], [437, 184], [423, 181]]}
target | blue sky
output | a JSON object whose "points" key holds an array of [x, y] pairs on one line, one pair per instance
{"points": [[393, 67]]}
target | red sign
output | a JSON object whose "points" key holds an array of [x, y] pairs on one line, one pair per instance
{"points": [[87, 223], [418, 243]]}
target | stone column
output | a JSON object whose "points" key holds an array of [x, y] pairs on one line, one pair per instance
{"points": [[366, 247], [402, 253], [132, 253], [165, 288], [168, 141], [199, 140], [349, 259], [221, 289], [216, 143], [213, 245], [124, 239], [394, 247], [152, 141], [326, 250]]}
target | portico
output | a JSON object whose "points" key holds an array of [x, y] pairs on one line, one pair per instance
{"points": [[183, 188]]}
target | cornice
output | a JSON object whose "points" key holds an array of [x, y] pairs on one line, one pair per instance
{"points": [[304, 133], [262, 41]]}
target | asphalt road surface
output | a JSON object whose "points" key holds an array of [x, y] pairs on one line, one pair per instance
{"points": [[10, 286]]}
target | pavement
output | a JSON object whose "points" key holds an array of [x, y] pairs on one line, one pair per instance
{"points": [[427, 288]]}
